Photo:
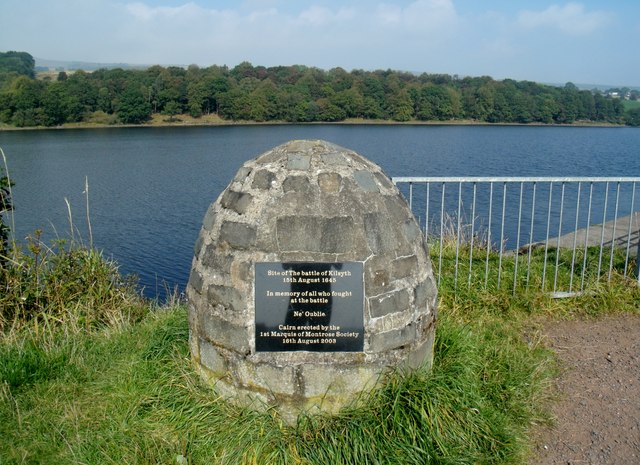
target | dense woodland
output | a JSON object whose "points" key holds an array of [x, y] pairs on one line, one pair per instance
{"points": [[288, 93]]}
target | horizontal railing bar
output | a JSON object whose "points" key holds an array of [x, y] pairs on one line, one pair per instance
{"points": [[509, 179]]}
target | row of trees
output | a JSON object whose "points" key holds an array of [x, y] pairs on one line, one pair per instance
{"points": [[293, 94]]}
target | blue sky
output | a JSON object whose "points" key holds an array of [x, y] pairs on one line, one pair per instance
{"points": [[588, 41]]}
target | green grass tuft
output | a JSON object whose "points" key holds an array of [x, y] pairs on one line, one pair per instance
{"points": [[97, 377], [131, 396], [69, 286]]}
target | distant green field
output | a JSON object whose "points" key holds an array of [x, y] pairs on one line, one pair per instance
{"points": [[631, 104]]}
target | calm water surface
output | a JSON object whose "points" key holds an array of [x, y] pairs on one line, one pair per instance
{"points": [[150, 187]]}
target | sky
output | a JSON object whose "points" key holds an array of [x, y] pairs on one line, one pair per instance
{"points": [[557, 41]]}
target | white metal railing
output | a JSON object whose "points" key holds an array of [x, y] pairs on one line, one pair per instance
{"points": [[580, 223]]}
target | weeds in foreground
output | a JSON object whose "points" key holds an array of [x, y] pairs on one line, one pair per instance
{"points": [[530, 283], [110, 381], [130, 396], [68, 285]]}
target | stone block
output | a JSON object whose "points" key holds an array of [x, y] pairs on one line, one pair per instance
{"points": [[338, 235], [334, 159], [240, 273], [391, 302], [297, 161], [263, 180], [192, 316], [404, 267], [299, 233], [242, 174], [412, 230], [422, 355], [196, 281], [366, 181], [330, 183], [209, 218], [336, 381], [214, 258], [194, 346], [377, 275], [384, 181], [197, 248], [228, 297], [425, 291], [211, 359], [296, 184], [394, 339], [380, 237], [238, 235], [278, 380], [396, 209], [236, 201], [232, 336]]}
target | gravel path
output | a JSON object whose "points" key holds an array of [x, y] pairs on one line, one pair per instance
{"points": [[598, 411]]}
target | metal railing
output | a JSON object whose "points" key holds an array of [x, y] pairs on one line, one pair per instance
{"points": [[575, 228]]}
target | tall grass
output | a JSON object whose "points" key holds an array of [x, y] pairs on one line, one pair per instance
{"points": [[61, 285], [524, 284], [91, 374], [69, 285], [130, 396]]}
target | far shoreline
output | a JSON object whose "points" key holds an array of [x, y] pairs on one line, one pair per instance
{"points": [[162, 121]]}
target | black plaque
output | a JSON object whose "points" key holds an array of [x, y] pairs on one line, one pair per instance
{"points": [[309, 306]]}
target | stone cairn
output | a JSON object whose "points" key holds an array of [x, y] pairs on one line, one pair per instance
{"points": [[316, 205]]}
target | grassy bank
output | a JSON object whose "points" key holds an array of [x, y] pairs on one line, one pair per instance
{"points": [[120, 388]]}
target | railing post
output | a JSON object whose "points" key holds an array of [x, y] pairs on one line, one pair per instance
{"points": [[637, 257]]}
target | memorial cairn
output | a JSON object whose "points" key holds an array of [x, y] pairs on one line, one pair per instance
{"points": [[311, 279]]}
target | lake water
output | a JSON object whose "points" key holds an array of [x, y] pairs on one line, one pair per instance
{"points": [[150, 187]]}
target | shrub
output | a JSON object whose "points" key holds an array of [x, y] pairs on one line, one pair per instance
{"points": [[71, 285]]}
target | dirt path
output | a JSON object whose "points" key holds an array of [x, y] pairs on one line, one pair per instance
{"points": [[598, 411]]}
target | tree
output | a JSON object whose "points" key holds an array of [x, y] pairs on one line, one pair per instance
{"points": [[53, 104], [310, 83], [350, 101], [480, 100], [27, 95], [632, 117], [216, 83], [196, 96], [171, 109], [436, 102], [329, 112], [133, 107], [400, 105], [294, 107], [80, 86], [20, 63], [290, 93], [372, 89], [104, 102]]}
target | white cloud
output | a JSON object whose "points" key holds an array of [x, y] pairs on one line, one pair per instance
{"points": [[571, 19], [341, 35], [188, 13], [450, 36], [419, 16], [318, 15]]}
